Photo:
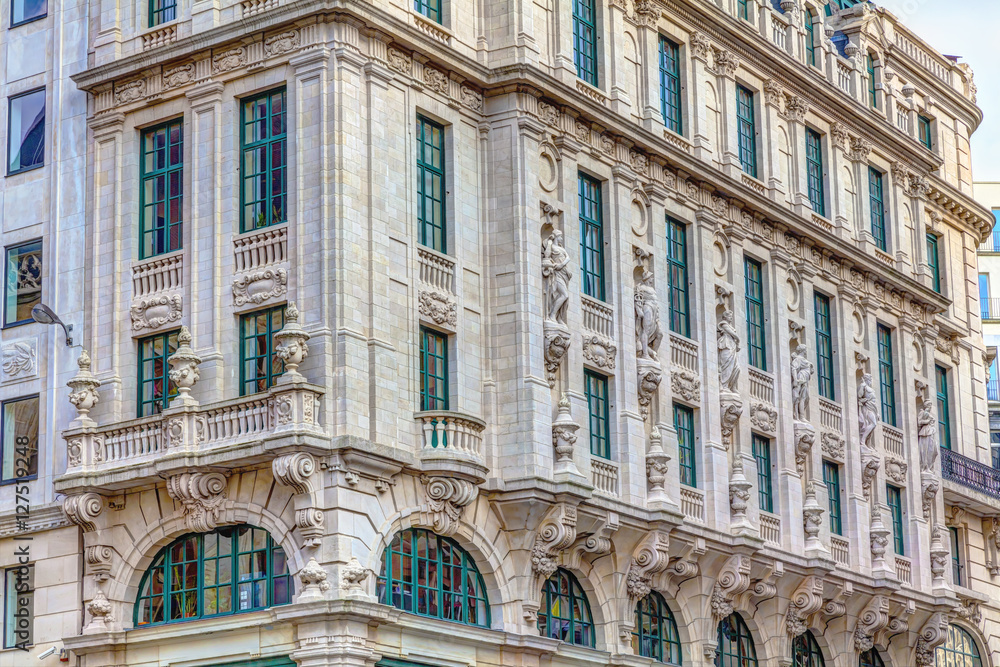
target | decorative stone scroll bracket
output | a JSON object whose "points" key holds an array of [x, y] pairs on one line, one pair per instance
{"points": [[202, 496], [733, 580], [651, 557], [873, 618], [555, 533], [297, 471], [805, 601], [933, 634], [447, 497]]}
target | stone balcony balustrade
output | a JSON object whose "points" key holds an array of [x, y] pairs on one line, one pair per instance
{"points": [[452, 444]]}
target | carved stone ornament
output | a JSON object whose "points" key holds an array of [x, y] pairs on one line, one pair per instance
{"points": [[259, 286], [446, 498], [400, 61], [764, 416], [294, 470], [732, 408], [651, 557], [202, 495], [895, 469], [733, 580], [83, 390], [833, 445], [796, 108], [438, 307], [873, 618], [184, 369], [739, 493], [929, 486], [685, 384], [130, 92], [933, 634], [805, 437], [309, 521], [20, 359], [725, 63], [970, 611], [101, 616], [283, 42], [178, 76], [879, 535], [155, 311], [867, 410], [229, 60], [290, 346], [927, 440], [564, 436], [314, 581], [646, 12], [639, 162], [649, 378], [556, 532], [599, 351], [83, 510], [472, 98], [557, 342], [700, 45], [548, 113], [353, 576], [940, 556], [805, 601], [860, 150], [436, 80], [98, 558], [812, 519]]}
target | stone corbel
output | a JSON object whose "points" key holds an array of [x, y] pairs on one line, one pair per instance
{"points": [[805, 601], [651, 557], [595, 543], [296, 471], [685, 566], [447, 497], [85, 510], [202, 496], [732, 581], [555, 533], [933, 634], [837, 605], [766, 587], [873, 618]]}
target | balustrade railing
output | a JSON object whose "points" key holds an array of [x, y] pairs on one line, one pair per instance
{"points": [[831, 415], [770, 528], [437, 270], [844, 77], [841, 550], [157, 275], [129, 440], [903, 570], [443, 429], [990, 309], [268, 246], [761, 385], [598, 317], [684, 353], [970, 473], [693, 504], [604, 475]]}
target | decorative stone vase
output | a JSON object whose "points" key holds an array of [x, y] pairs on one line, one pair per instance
{"points": [[184, 369], [290, 346], [84, 392], [564, 438]]}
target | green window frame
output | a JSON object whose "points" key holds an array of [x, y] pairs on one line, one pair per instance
{"points": [[161, 189], [431, 200], [831, 477], [22, 283], [810, 37], [924, 132], [872, 95], [761, 447], [19, 606], [876, 195], [161, 11], [756, 333], [894, 498], [596, 387], [934, 262], [684, 425], [814, 171], [824, 346], [430, 575], [433, 370], [735, 643], [677, 277], [670, 85], [943, 406], [232, 570], [565, 612], [886, 374], [871, 658], [429, 8], [806, 652], [957, 567], [264, 165], [591, 236], [155, 389], [746, 130], [655, 634], [19, 422], [744, 9], [585, 40], [260, 367], [960, 650]]}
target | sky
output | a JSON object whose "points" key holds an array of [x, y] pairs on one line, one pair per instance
{"points": [[970, 29]]}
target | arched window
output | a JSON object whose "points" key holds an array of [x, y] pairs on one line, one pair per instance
{"points": [[736, 647], [565, 612], [655, 633], [228, 571], [424, 573], [871, 658], [805, 651], [959, 651]]}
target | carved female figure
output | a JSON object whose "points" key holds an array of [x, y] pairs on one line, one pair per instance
{"points": [[867, 409], [729, 347], [802, 371], [927, 437], [556, 276], [647, 322]]}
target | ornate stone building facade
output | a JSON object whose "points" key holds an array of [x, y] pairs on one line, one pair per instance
{"points": [[351, 394]]}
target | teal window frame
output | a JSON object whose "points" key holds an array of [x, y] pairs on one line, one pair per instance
{"points": [[154, 388], [886, 374], [744, 9], [746, 130], [810, 37], [257, 572], [19, 594], [585, 40], [591, 236], [655, 634], [872, 93], [429, 8], [677, 277], [161, 189], [598, 410], [23, 282], [756, 323], [565, 611], [19, 427], [684, 425], [260, 367], [957, 567], [924, 132], [876, 193], [894, 498], [264, 160], [735, 646], [434, 390], [959, 650], [670, 86], [943, 406], [761, 447], [871, 658], [824, 346], [161, 11], [814, 171], [431, 195], [831, 477], [934, 261], [806, 652], [430, 575]]}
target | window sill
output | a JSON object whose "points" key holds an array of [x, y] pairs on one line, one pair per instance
{"points": [[19, 323], [27, 21], [19, 480], [25, 170]]}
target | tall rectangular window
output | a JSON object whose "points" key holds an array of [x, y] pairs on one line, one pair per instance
{"points": [[831, 477], [872, 96], [591, 237], [756, 336], [684, 425], [984, 295], [433, 370], [154, 383], [934, 262], [886, 375], [924, 132], [585, 40], [19, 425], [744, 9], [677, 277], [894, 497], [810, 38], [670, 85], [430, 184], [161, 208], [26, 131], [943, 406], [19, 606], [824, 346], [747, 129], [429, 8], [762, 454], [23, 11], [23, 283], [814, 171], [596, 387], [264, 170], [875, 194], [161, 11], [260, 367], [956, 557]]}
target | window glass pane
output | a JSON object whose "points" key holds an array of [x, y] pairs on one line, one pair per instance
{"points": [[814, 168], [756, 333], [28, 10], [933, 262], [746, 126], [23, 284], [824, 346], [585, 40], [684, 424], [264, 161], [20, 438], [591, 236], [943, 407], [677, 277], [894, 498], [875, 192], [831, 477], [887, 375], [670, 85], [155, 387], [762, 453], [431, 184], [161, 11], [597, 405], [161, 191], [260, 366], [19, 606], [26, 135]]}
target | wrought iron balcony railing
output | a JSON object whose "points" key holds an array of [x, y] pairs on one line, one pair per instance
{"points": [[970, 473], [993, 390], [990, 309]]}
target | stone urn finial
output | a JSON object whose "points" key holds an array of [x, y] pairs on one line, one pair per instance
{"points": [[314, 581], [83, 393], [184, 369], [101, 614], [290, 346], [564, 437]]}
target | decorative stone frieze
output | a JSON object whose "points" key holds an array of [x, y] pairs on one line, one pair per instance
{"points": [[438, 307], [20, 359], [229, 59], [732, 581], [177, 76], [129, 92], [436, 80], [895, 469], [260, 286], [833, 446], [202, 495], [282, 42], [155, 312], [764, 416], [600, 351]]}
